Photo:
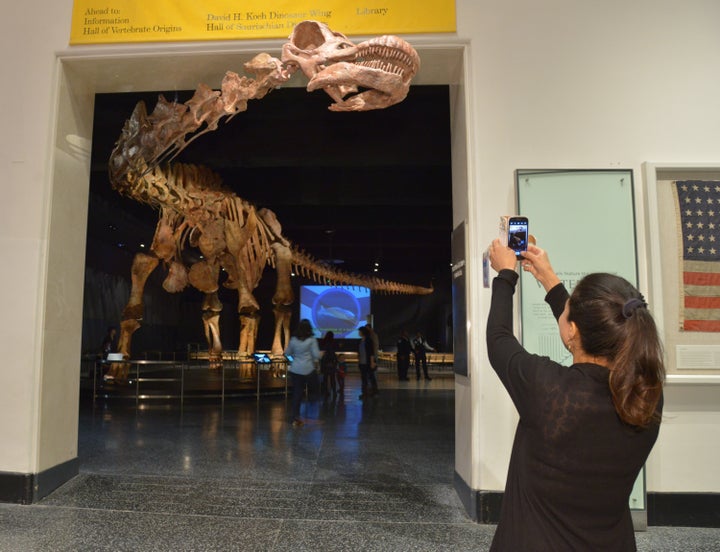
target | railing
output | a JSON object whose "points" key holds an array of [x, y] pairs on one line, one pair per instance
{"points": [[236, 376], [435, 361], [167, 379]]}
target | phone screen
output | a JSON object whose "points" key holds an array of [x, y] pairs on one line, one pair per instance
{"points": [[518, 234]]}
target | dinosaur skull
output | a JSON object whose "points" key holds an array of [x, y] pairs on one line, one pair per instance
{"points": [[383, 66]]}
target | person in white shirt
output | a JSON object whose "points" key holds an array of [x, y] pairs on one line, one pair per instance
{"points": [[304, 351]]}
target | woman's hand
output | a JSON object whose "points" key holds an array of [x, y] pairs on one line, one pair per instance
{"points": [[537, 263], [501, 257]]}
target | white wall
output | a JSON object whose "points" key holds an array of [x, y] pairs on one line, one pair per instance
{"points": [[554, 84], [31, 33], [577, 84]]}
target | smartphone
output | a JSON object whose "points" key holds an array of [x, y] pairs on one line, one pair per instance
{"points": [[517, 235]]}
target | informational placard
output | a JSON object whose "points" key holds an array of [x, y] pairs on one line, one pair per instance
{"points": [[459, 279], [120, 21], [585, 220]]}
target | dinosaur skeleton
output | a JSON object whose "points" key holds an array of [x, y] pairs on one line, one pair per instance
{"points": [[231, 234]]}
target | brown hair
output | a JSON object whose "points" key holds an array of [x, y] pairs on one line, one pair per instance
{"points": [[614, 323], [304, 329]]}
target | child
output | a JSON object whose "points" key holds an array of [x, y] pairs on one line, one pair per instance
{"points": [[340, 373]]}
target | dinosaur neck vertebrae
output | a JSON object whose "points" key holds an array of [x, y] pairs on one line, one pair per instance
{"points": [[230, 233]]}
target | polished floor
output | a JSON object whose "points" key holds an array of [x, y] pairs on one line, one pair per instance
{"points": [[373, 476]]}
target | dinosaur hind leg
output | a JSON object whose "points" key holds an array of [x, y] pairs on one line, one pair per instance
{"points": [[211, 321], [283, 313], [283, 298]]}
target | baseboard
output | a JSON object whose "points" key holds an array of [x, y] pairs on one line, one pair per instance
{"points": [[27, 488], [16, 487], [481, 506], [684, 509], [488, 506], [663, 509]]}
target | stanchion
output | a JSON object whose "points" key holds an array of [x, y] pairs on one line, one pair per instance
{"points": [[95, 371], [222, 385], [257, 375], [137, 384], [287, 376], [182, 385]]}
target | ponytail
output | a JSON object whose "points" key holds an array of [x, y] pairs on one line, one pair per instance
{"points": [[637, 371], [614, 323]]}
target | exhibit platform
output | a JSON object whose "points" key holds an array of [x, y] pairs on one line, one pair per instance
{"points": [[161, 376]]}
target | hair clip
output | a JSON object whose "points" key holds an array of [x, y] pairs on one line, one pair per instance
{"points": [[631, 305]]}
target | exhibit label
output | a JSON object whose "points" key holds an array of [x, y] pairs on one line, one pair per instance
{"points": [[122, 21], [578, 240]]}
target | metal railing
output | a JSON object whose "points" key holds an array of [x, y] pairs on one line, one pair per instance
{"points": [[168, 379]]}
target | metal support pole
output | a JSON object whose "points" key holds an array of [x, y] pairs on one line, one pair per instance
{"points": [[95, 371], [182, 384], [257, 373], [286, 380], [222, 385], [137, 384]]}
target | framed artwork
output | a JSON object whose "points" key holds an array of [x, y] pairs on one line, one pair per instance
{"points": [[683, 232]]}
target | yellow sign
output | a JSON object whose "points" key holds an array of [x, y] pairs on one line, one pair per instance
{"points": [[116, 21]]}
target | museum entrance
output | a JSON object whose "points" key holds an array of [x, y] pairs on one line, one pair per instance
{"points": [[377, 206], [87, 79]]}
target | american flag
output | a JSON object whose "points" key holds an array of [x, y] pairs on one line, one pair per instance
{"points": [[699, 219]]}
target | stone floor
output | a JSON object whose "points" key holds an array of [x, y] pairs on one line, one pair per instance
{"points": [[373, 476]]}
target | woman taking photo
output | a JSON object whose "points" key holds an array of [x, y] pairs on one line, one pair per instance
{"points": [[585, 430]]}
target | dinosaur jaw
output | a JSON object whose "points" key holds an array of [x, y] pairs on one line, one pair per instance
{"points": [[383, 66]]}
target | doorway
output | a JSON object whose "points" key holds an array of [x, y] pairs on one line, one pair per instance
{"points": [[82, 76]]}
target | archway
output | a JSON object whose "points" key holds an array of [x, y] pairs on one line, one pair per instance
{"points": [[84, 74]]}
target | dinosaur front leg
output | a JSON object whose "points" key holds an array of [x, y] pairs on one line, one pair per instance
{"points": [[142, 267], [211, 321], [283, 298], [249, 322], [249, 313], [203, 276]]}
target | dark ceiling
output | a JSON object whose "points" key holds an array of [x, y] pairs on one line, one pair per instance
{"points": [[357, 188]]}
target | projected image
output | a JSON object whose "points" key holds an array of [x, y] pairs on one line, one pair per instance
{"points": [[341, 310]]}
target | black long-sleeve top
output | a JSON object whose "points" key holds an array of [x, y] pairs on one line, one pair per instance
{"points": [[574, 461]]}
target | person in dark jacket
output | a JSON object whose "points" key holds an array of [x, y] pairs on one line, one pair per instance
{"points": [[420, 348], [328, 365], [404, 349], [109, 343], [585, 430], [367, 363]]}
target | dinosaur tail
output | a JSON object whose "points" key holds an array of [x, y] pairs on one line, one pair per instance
{"points": [[308, 267]]}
